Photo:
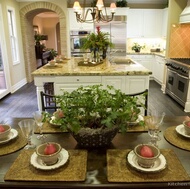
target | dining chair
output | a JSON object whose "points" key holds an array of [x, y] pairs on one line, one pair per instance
{"points": [[48, 102], [144, 100]]}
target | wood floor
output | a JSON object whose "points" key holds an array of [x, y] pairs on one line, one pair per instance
{"points": [[24, 102]]}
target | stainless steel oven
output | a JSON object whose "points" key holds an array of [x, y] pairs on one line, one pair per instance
{"points": [[177, 80], [76, 42]]}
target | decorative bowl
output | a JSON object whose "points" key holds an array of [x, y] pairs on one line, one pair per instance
{"points": [[146, 162], [4, 135], [187, 127], [48, 159]]}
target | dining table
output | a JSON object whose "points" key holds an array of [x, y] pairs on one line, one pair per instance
{"points": [[105, 167]]}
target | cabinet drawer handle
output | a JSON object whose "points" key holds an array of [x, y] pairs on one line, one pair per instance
{"points": [[77, 79]]}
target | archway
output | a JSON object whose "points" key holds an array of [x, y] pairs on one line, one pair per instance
{"points": [[27, 14]]}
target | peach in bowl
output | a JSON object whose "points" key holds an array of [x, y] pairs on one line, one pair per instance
{"points": [[187, 127], [146, 155], [4, 131], [49, 152]]}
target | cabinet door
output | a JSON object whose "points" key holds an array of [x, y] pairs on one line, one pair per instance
{"points": [[135, 23], [152, 24], [70, 83], [118, 82], [164, 22], [135, 84], [158, 69], [144, 23]]}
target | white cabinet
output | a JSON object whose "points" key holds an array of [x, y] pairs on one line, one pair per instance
{"points": [[144, 23], [74, 25], [117, 82], [70, 83], [164, 22], [158, 69], [145, 60]]}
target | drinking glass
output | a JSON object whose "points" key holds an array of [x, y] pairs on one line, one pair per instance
{"points": [[27, 128], [153, 123], [38, 117]]}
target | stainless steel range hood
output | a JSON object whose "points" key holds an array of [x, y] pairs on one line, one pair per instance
{"points": [[185, 15]]}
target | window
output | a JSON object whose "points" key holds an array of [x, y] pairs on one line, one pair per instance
{"points": [[13, 35]]}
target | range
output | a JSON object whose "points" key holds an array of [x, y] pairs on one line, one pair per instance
{"points": [[178, 81]]}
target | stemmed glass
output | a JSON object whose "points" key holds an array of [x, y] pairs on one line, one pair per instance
{"points": [[38, 117], [27, 128], [153, 123]]}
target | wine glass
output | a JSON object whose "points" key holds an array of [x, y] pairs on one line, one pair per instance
{"points": [[27, 128], [38, 117], [153, 123]]}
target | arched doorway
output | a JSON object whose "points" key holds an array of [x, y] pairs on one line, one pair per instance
{"points": [[27, 14]]}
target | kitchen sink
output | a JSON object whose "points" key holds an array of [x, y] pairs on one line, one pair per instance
{"points": [[121, 60]]}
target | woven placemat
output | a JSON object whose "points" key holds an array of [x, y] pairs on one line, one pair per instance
{"points": [[119, 170], [47, 128], [13, 145], [73, 170], [175, 139]]}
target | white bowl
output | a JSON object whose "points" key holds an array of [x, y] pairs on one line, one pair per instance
{"points": [[4, 135], [48, 159], [186, 127], [145, 161]]}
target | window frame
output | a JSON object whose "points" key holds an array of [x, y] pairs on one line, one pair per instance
{"points": [[11, 19]]}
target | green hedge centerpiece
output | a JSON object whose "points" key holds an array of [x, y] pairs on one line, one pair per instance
{"points": [[95, 109]]}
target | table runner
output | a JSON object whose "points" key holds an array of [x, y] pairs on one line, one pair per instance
{"points": [[175, 139], [13, 145], [118, 169], [73, 170], [50, 129]]}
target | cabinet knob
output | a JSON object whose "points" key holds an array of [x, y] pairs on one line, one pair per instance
{"points": [[77, 79]]}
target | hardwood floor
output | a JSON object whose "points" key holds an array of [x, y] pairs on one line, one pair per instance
{"points": [[24, 102]]}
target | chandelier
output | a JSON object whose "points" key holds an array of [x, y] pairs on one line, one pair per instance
{"points": [[97, 14]]}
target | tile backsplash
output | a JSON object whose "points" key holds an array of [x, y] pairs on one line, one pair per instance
{"points": [[179, 45]]}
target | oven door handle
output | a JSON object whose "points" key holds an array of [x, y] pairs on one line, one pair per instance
{"points": [[172, 71], [184, 77]]}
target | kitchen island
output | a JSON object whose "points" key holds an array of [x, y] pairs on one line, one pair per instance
{"points": [[129, 76]]}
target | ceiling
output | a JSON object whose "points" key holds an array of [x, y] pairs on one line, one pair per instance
{"points": [[107, 2]]}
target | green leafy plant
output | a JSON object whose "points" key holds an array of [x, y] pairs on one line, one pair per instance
{"points": [[98, 41], [137, 48], [96, 107], [121, 3]]}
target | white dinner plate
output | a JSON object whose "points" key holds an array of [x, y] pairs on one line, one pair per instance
{"points": [[52, 123], [180, 130], [38, 163], [140, 118], [50, 65], [159, 164], [13, 134]]}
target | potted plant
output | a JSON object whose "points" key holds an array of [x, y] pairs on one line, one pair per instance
{"points": [[137, 48], [94, 114], [121, 3], [97, 42]]}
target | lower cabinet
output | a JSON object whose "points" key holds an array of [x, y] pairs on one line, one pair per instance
{"points": [[158, 69], [127, 84]]}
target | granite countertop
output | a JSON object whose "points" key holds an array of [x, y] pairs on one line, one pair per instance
{"points": [[71, 68], [162, 54]]}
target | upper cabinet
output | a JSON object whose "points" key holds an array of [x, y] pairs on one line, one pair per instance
{"points": [[164, 22], [144, 23]]}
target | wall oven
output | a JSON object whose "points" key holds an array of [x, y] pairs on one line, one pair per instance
{"points": [[76, 42], [178, 79]]}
